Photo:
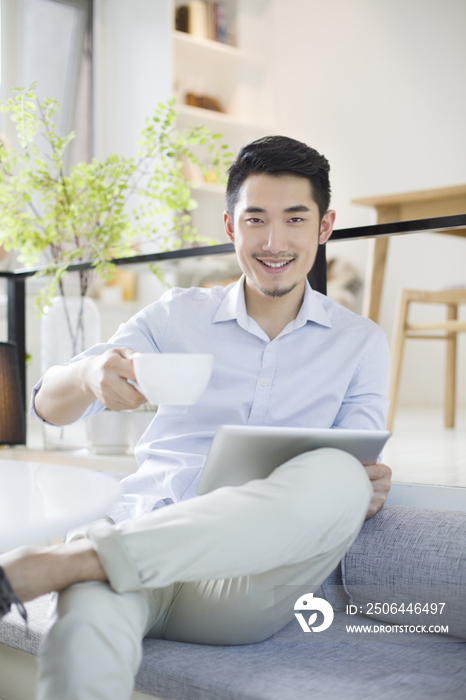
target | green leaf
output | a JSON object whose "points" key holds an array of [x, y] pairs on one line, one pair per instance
{"points": [[94, 210]]}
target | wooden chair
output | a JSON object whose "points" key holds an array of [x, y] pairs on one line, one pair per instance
{"points": [[443, 330]]}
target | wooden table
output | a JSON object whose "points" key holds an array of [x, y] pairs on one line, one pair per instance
{"points": [[445, 201]]}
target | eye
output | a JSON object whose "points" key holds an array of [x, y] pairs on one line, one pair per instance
{"points": [[254, 220], [296, 220]]}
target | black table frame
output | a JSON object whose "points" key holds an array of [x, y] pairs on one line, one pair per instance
{"points": [[16, 279]]}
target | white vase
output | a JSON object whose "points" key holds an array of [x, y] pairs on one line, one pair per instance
{"points": [[108, 432], [69, 326]]}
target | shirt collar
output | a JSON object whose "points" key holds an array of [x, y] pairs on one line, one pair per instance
{"points": [[312, 309], [233, 307]]}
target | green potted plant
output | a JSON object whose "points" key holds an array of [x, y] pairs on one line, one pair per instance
{"points": [[93, 212]]}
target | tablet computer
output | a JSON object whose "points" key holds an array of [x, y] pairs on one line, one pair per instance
{"points": [[240, 453]]}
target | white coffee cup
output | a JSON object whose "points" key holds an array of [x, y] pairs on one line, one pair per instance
{"points": [[172, 379]]}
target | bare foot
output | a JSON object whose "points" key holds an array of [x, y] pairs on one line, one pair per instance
{"points": [[34, 571]]}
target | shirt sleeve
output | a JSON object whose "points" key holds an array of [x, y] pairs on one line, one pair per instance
{"points": [[365, 404]]}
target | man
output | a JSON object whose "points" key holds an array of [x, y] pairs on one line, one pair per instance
{"points": [[217, 569]]}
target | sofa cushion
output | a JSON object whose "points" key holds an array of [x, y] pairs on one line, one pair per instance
{"points": [[287, 666], [411, 556]]}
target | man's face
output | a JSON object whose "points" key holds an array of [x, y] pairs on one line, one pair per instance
{"points": [[276, 231]]}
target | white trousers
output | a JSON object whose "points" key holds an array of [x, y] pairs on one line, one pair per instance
{"points": [[216, 569]]}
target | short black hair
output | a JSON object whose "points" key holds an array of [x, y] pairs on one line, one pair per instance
{"points": [[280, 155]]}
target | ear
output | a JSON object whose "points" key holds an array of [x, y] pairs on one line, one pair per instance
{"points": [[326, 226], [228, 224]]}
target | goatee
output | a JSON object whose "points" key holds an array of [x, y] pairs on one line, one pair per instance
{"points": [[277, 291]]}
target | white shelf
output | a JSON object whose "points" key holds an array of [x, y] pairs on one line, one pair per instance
{"points": [[240, 77], [208, 47], [183, 39], [219, 118]]}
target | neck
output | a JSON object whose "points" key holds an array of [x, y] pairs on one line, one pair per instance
{"points": [[273, 314]]}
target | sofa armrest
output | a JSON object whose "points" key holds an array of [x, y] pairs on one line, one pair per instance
{"points": [[405, 556], [427, 496]]}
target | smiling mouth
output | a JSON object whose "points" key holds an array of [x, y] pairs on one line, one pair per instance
{"points": [[275, 265]]}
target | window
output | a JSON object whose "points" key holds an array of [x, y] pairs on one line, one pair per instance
{"points": [[54, 49]]}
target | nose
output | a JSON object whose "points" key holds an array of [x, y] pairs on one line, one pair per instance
{"points": [[276, 240]]}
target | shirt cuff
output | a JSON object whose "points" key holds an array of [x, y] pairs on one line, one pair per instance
{"points": [[32, 408], [92, 410]]}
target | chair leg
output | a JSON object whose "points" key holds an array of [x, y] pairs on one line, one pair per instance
{"points": [[397, 355], [450, 370], [378, 248]]}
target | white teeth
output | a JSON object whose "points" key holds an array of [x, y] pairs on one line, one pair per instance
{"points": [[275, 264]]}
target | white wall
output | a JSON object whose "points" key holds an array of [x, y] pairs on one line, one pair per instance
{"points": [[378, 87]]}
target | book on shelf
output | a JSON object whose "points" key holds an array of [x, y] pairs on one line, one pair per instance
{"points": [[206, 20], [204, 102]]}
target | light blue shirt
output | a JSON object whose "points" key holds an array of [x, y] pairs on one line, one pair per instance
{"points": [[327, 368]]}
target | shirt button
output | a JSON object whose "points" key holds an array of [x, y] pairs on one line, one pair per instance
{"points": [[264, 382], [270, 348]]}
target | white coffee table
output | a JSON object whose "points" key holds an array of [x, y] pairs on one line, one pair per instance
{"points": [[39, 502]]}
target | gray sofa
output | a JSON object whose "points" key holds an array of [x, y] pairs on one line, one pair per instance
{"points": [[404, 554]]}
